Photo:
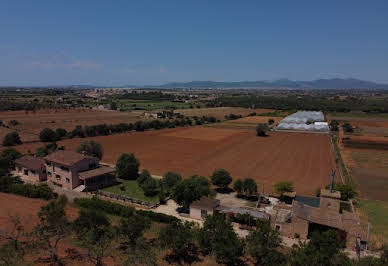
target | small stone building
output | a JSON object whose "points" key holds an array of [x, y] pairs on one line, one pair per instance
{"points": [[31, 168], [204, 206]]}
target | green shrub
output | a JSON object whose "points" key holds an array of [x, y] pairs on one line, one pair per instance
{"points": [[121, 210], [15, 186], [106, 206], [158, 217], [12, 139]]}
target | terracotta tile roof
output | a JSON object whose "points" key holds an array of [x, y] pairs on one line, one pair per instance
{"points": [[96, 172], [347, 221], [318, 215], [205, 203], [67, 158], [30, 162]]}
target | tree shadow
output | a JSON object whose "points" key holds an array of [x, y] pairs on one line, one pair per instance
{"points": [[224, 190], [188, 258]]}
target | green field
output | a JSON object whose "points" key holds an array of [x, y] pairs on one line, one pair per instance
{"points": [[132, 190], [378, 212], [341, 115]]}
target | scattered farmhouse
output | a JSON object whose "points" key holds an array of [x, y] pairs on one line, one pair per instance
{"points": [[66, 169], [297, 217], [204, 206], [302, 218], [31, 168]]}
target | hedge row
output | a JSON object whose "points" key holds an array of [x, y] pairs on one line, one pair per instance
{"points": [[121, 210], [158, 217], [15, 186]]}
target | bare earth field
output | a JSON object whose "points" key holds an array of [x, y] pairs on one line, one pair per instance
{"points": [[305, 159], [366, 142], [30, 124], [26, 209], [220, 112]]}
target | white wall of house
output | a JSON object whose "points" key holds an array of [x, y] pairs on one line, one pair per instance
{"points": [[198, 213]]}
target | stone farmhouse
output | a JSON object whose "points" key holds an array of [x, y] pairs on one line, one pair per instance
{"points": [[297, 218], [66, 169]]}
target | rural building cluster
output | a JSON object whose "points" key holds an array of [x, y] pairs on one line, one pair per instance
{"points": [[299, 218], [66, 169]]}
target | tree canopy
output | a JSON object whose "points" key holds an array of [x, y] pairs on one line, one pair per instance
{"points": [[283, 187], [263, 245], [170, 179], [91, 148], [133, 227], [218, 237], [48, 135], [221, 178], [249, 186], [127, 166], [179, 237], [191, 189], [12, 139], [238, 186], [261, 129]]}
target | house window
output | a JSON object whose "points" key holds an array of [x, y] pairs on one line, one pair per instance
{"points": [[33, 172], [49, 173], [58, 177], [25, 171], [277, 227], [48, 163], [67, 180], [203, 213]]}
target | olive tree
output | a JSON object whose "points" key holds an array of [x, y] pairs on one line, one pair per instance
{"points": [[127, 166], [91, 148], [221, 178]]}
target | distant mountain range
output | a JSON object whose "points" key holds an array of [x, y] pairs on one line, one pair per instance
{"points": [[335, 83]]}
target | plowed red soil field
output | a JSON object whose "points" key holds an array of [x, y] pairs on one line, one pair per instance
{"points": [[26, 209], [303, 158], [30, 124], [366, 142]]}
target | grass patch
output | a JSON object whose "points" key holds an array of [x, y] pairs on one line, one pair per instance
{"points": [[378, 211], [132, 190], [339, 162], [358, 115]]}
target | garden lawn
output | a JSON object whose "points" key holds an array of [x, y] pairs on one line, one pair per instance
{"points": [[132, 190]]}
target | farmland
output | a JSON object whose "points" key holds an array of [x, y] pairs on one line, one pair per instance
{"points": [[305, 159], [220, 112], [365, 154], [31, 123], [248, 122]]}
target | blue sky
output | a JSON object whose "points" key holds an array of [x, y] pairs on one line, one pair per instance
{"points": [[154, 42]]}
